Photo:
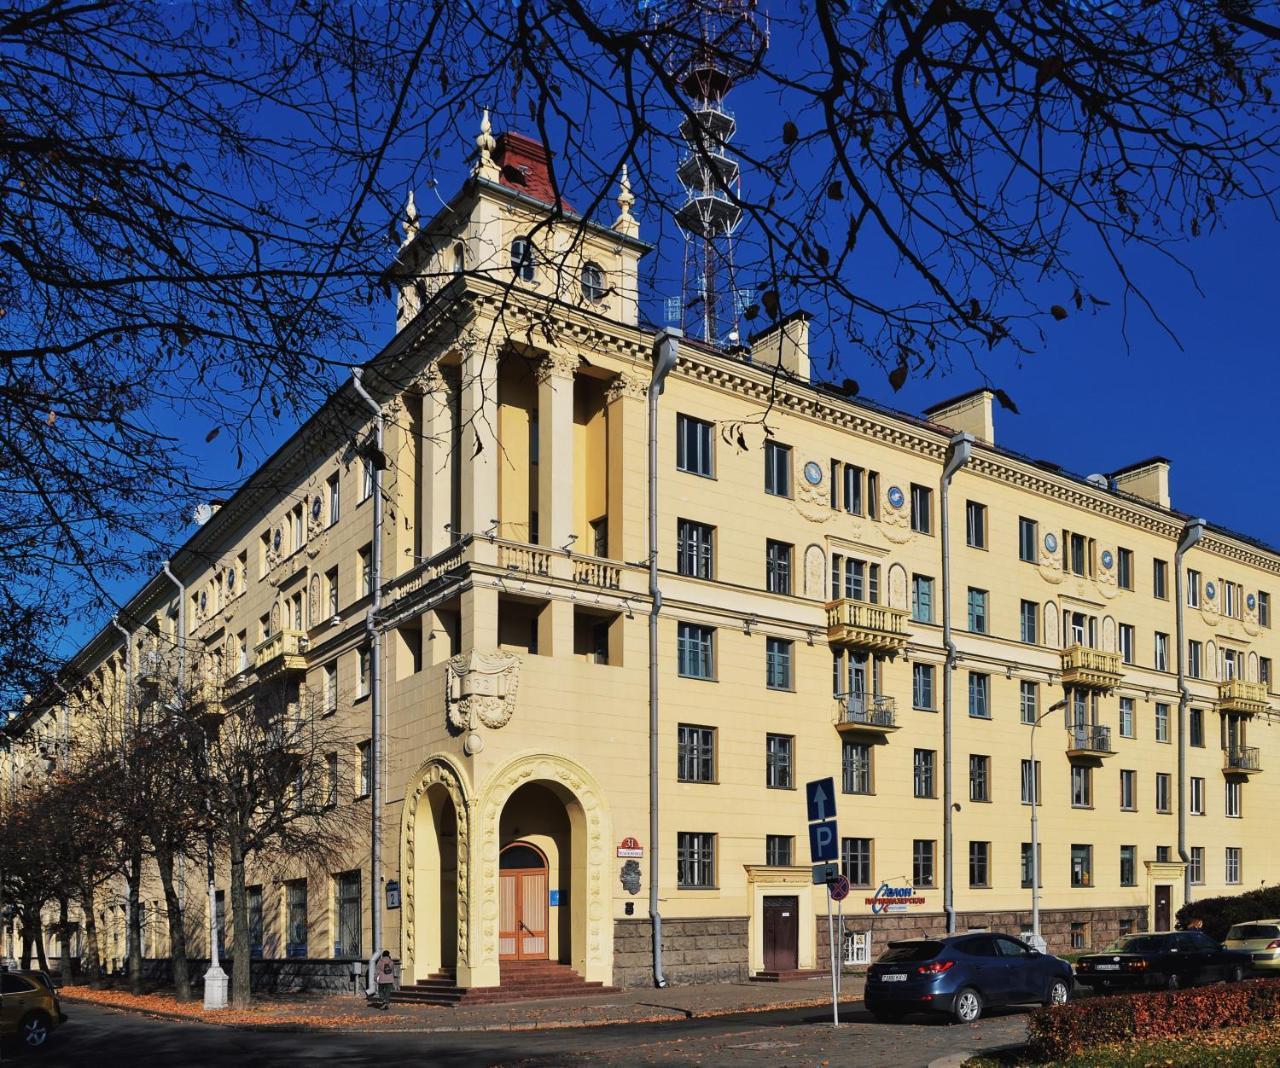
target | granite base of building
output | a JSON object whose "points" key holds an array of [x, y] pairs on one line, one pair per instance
{"points": [[711, 950], [289, 976]]}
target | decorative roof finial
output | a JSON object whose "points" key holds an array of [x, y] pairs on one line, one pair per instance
{"points": [[626, 223], [484, 166], [411, 218]]}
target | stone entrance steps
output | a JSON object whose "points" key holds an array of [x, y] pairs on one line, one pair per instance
{"points": [[786, 975], [521, 981]]}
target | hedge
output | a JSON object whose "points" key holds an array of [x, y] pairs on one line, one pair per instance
{"points": [[1219, 914], [1064, 1030]]}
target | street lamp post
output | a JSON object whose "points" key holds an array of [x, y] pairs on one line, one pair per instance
{"points": [[1036, 940]]}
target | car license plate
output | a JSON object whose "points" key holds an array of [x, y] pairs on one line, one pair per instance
{"points": [[896, 977], [1264, 956], [1108, 967]]}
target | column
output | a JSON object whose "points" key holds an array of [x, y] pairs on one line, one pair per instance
{"points": [[557, 475], [628, 467], [436, 496]]}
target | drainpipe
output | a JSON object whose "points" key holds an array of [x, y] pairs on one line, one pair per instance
{"points": [[181, 643], [959, 450], [666, 351], [1191, 536], [375, 682]]}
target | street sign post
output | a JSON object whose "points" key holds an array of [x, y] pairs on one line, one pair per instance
{"points": [[838, 888], [821, 797], [824, 846], [825, 873]]}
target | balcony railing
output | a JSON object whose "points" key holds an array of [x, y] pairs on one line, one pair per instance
{"points": [[859, 711], [1241, 759], [1083, 665], [284, 651], [529, 559], [1236, 695], [865, 625], [592, 571], [1089, 741], [428, 571]]}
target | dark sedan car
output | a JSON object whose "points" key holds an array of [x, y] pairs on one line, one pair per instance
{"points": [[1168, 959], [961, 975]]}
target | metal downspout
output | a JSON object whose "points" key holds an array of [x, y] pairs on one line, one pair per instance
{"points": [[1191, 535]]}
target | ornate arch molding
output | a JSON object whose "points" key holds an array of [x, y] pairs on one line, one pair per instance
{"points": [[537, 767], [437, 771]]}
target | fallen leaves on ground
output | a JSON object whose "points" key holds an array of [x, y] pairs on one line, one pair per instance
{"points": [[265, 1012]]}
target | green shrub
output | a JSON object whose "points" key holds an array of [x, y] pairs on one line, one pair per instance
{"points": [[1219, 914]]}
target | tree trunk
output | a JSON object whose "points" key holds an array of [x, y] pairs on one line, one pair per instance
{"points": [[177, 926], [134, 933], [67, 966], [39, 932], [240, 986], [92, 958], [26, 945]]}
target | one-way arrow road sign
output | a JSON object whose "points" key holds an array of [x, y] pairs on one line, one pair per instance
{"points": [[821, 794]]}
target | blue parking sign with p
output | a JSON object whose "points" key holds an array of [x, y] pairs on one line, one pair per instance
{"points": [[823, 844]]}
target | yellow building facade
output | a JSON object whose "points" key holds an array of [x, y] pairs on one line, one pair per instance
{"points": [[833, 575]]}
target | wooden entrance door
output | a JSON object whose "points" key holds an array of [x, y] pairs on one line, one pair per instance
{"points": [[1162, 908], [522, 904], [781, 933]]}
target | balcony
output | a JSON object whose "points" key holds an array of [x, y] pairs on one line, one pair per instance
{"points": [[284, 653], [861, 713], [1089, 742], [1090, 668], [1247, 698], [1241, 760], [866, 626], [206, 698]]}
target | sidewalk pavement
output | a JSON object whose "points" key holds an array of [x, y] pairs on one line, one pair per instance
{"points": [[349, 1013]]}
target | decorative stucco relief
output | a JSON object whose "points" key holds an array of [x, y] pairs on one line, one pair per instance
{"points": [[436, 771], [815, 572], [481, 687]]}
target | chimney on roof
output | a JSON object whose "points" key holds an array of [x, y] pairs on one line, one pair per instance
{"points": [[1148, 479], [785, 344], [968, 413]]}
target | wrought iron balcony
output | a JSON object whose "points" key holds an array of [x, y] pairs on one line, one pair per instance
{"points": [[1241, 760], [865, 712], [1089, 741], [866, 626], [284, 653], [1085, 666], [1247, 698]]}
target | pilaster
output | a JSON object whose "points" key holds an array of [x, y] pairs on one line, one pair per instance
{"points": [[627, 467]]}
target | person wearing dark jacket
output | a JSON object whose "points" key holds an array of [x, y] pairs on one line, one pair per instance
{"points": [[384, 974]]}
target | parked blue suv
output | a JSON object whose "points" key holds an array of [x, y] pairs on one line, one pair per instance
{"points": [[961, 975]]}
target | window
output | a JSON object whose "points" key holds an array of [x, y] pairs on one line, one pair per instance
{"points": [[365, 783], [335, 500], [1029, 614], [1126, 717], [695, 860], [855, 579], [1160, 579], [1128, 790], [1081, 787], [777, 469], [693, 446], [1193, 588], [1028, 539], [922, 851], [923, 767], [331, 686], [694, 650], [979, 689], [846, 478], [1079, 934], [1196, 803], [696, 754], [1195, 727], [1027, 873], [1126, 636], [1230, 599], [1264, 609], [777, 566], [366, 479], [1162, 722], [1124, 568], [295, 918], [777, 761], [1162, 652], [1196, 867], [979, 777], [1264, 671], [331, 779], [1162, 792], [365, 658], [1128, 865], [922, 686], [977, 611], [331, 590], [297, 528], [777, 850], [921, 509], [592, 282], [777, 663], [1162, 854], [522, 259], [1030, 787], [1075, 551], [975, 520], [1028, 700], [242, 651], [922, 598], [855, 860], [1233, 864], [366, 571], [1194, 650], [1232, 806], [855, 763], [694, 543], [1082, 865], [346, 894], [979, 864]]}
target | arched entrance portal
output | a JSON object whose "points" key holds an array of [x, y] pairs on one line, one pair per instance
{"points": [[522, 903]]}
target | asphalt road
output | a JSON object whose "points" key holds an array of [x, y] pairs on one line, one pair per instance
{"points": [[797, 1037]]}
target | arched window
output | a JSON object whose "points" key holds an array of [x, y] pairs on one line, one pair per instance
{"points": [[459, 259], [520, 855], [593, 282], [522, 259]]}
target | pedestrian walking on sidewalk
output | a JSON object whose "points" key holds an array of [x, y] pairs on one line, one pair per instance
{"points": [[384, 974]]}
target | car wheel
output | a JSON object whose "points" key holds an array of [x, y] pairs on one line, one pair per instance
{"points": [[35, 1030], [1235, 974], [1172, 982], [967, 1006], [1059, 993]]}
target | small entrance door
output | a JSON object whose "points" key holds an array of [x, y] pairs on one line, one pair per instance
{"points": [[781, 933], [522, 903], [1162, 908]]}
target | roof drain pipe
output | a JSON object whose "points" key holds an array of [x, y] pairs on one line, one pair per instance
{"points": [[959, 450], [377, 461], [666, 351], [1191, 535]]}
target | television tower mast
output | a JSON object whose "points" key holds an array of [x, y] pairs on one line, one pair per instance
{"points": [[730, 45]]}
